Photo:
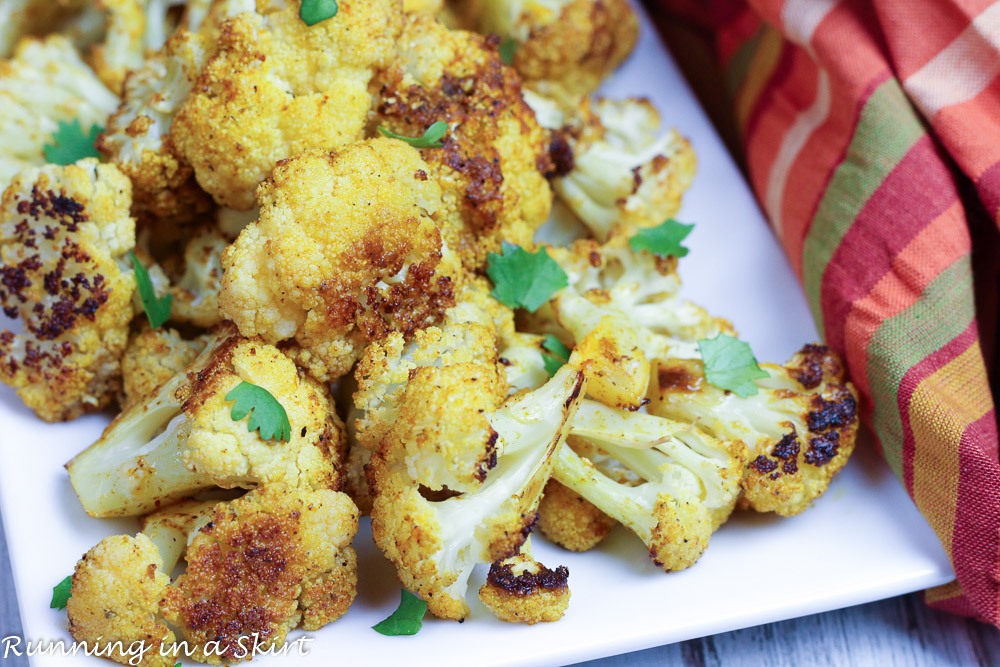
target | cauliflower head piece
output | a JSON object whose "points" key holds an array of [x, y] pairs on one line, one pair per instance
{"points": [[519, 589], [800, 427], [564, 47], [43, 84], [152, 357], [345, 252], [614, 171], [570, 520], [182, 439], [117, 587], [435, 539], [64, 233], [252, 86], [491, 161], [264, 564]]}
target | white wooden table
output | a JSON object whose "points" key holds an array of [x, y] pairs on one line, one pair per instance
{"points": [[900, 631]]}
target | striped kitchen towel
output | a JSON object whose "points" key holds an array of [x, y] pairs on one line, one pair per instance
{"points": [[870, 131]]}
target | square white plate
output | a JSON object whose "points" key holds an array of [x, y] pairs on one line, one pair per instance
{"points": [[862, 541]]}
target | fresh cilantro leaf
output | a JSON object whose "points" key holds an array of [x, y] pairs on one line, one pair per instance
{"points": [[406, 620], [560, 354], [430, 139], [507, 49], [524, 279], [266, 413], [157, 308], [314, 11], [730, 364], [61, 594], [70, 143], [664, 240]]}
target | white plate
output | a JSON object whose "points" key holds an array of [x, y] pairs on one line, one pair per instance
{"points": [[862, 541]]}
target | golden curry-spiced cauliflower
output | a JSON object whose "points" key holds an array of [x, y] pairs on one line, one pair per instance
{"points": [[64, 233], [345, 252]]}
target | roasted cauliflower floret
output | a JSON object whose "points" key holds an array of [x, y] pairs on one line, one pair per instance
{"points": [[254, 86], [275, 559], [691, 479], [799, 427], [152, 357], [570, 520], [489, 162], [565, 47], [615, 172], [387, 366], [183, 439], [519, 589], [631, 298], [196, 279], [345, 252], [117, 588], [435, 541], [45, 83], [64, 232]]}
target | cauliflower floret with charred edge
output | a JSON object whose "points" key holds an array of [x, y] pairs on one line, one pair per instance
{"points": [[45, 83], [800, 426], [620, 311], [266, 563], [254, 86], [152, 357], [64, 232], [435, 541], [492, 159], [692, 480], [519, 589], [345, 252], [612, 170], [183, 439], [564, 47]]}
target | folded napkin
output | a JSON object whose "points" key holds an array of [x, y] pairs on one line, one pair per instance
{"points": [[870, 131]]}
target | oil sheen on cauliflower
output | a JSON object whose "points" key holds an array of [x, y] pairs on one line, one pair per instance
{"points": [[345, 252], [64, 232]]}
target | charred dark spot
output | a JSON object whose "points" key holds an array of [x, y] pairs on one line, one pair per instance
{"points": [[576, 391], [677, 378], [763, 465], [421, 175], [788, 450], [489, 460], [560, 156], [502, 576], [835, 413], [823, 448], [809, 372]]}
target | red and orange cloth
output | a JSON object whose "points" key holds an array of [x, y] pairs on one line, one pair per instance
{"points": [[871, 135]]}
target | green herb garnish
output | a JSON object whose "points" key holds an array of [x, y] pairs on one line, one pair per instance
{"points": [[70, 143], [507, 49], [61, 594], [430, 139], [314, 11], [559, 357], [730, 364], [524, 279], [266, 413], [157, 308], [406, 620], [664, 240]]}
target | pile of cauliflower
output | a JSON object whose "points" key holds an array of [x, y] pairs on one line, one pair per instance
{"points": [[276, 185]]}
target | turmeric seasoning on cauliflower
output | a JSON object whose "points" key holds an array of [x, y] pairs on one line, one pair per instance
{"points": [[64, 233], [345, 252], [491, 162], [152, 357], [253, 86]]}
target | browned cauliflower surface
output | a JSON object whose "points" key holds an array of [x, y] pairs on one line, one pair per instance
{"points": [[64, 232]]}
